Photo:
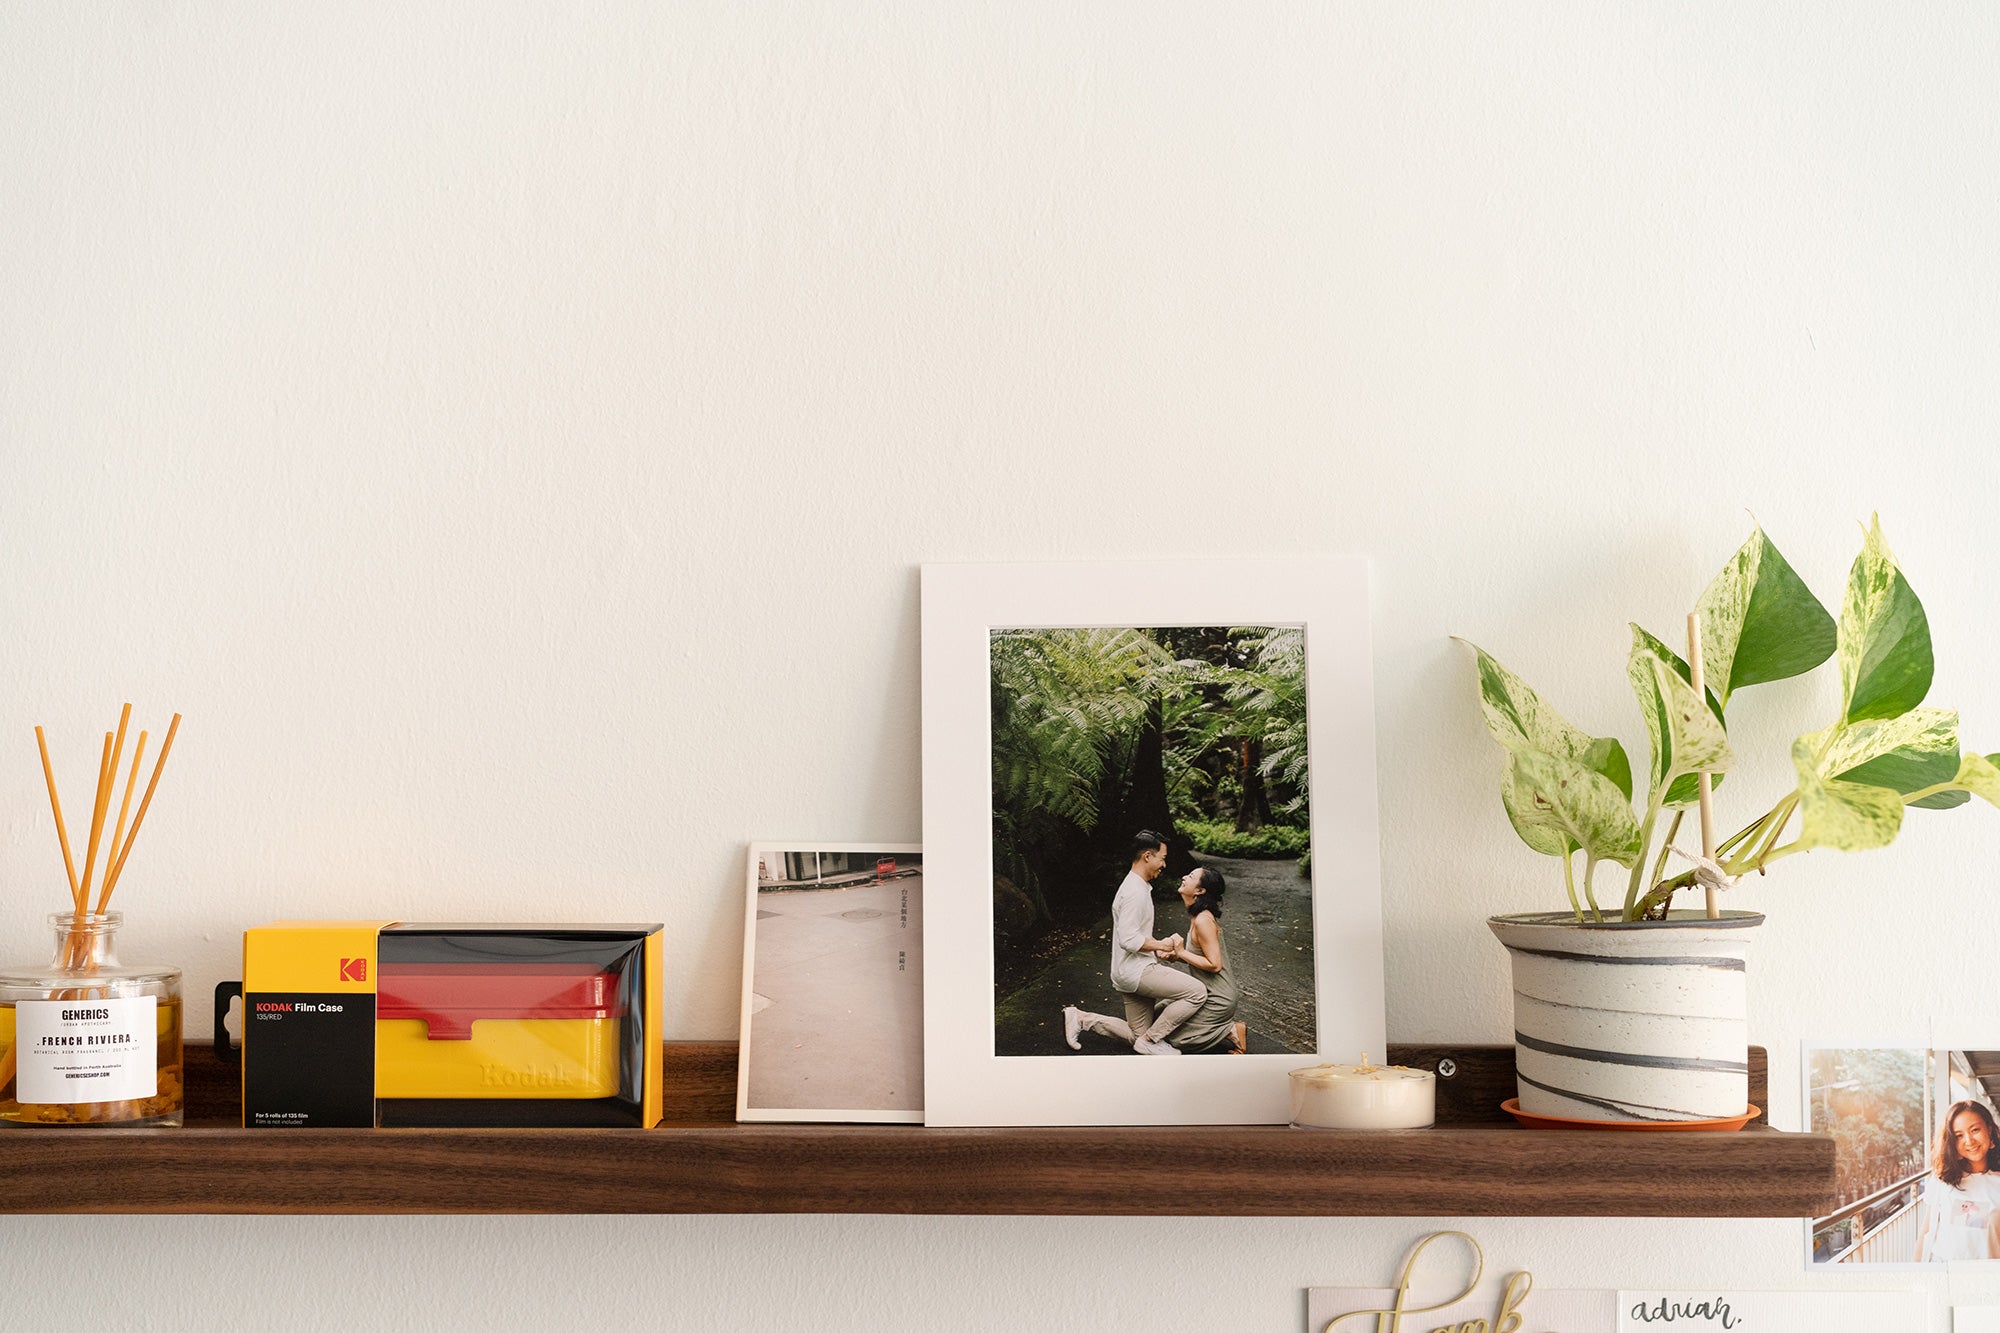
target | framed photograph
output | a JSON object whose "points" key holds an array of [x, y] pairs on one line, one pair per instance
{"points": [[833, 1001], [1150, 813]]}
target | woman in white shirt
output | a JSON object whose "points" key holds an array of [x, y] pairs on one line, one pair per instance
{"points": [[1961, 1200]]}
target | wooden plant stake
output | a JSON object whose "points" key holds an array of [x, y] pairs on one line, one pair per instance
{"points": [[1702, 784]]}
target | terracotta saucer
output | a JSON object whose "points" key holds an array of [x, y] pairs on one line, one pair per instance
{"points": [[1512, 1106]]}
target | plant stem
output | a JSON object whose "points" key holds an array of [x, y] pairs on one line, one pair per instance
{"points": [[1766, 828], [1769, 856], [1746, 833], [1780, 815], [1791, 803], [1639, 861], [1589, 889], [1660, 865], [1569, 882]]}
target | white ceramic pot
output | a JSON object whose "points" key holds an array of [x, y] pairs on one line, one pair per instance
{"points": [[1640, 1020]]}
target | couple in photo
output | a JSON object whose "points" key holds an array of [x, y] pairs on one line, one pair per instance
{"points": [[1178, 993]]}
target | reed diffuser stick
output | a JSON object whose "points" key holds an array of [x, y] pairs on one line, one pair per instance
{"points": [[102, 803], [107, 787], [55, 803], [131, 781], [111, 773], [145, 802]]}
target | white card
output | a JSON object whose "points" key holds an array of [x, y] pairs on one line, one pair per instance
{"points": [[1771, 1311], [1358, 1309], [1975, 1319]]}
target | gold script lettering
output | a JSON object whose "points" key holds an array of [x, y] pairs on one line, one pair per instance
{"points": [[1510, 1318], [1391, 1319], [1507, 1319]]}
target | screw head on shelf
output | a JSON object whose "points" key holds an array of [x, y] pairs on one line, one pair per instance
{"points": [[1447, 1067]]}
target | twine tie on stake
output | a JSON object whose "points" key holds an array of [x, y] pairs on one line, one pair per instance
{"points": [[1708, 872]]}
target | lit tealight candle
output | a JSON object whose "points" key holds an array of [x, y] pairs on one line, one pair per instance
{"points": [[1363, 1096]]}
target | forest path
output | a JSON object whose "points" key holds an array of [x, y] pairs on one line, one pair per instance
{"points": [[1266, 932]]}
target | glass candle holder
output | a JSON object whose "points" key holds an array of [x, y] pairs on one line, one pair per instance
{"points": [[85, 1040]]}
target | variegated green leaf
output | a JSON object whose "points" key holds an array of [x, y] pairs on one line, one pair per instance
{"points": [[1917, 749], [1905, 754], [1565, 798], [1846, 816], [1885, 638], [1759, 622], [1685, 789], [1685, 734], [1980, 775], [1607, 756], [1521, 813], [1518, 718], [1666, 654], [1536, 833]]}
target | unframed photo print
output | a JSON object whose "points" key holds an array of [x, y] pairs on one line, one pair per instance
{"points": [[833, 1013], [1916, 1155]]}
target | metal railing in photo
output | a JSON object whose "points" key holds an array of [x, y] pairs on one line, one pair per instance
{"points": [[1880, 1228]]}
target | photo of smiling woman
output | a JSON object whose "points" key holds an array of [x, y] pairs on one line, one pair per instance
{"points": [[1961, 1200]]}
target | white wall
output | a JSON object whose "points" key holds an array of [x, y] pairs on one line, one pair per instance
{"points": [[499, 428]]}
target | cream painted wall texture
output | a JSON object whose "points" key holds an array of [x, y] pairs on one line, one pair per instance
{"points": [[510, 434]]}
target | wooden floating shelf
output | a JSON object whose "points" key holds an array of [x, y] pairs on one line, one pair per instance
{"points": [[1474, 1163]]}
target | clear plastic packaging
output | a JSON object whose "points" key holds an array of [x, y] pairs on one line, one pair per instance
{"points": [[541, 1022]]}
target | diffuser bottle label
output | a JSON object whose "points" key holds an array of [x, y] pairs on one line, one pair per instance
{"points": [[87, 1050]]}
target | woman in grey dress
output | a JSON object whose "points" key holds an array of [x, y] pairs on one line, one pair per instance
{"points": [[1213, 1027]]}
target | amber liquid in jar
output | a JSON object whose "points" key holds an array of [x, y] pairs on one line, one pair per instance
{"points": [[79, 1023]]}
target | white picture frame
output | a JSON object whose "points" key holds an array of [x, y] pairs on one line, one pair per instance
{"points": [[839, 1036], [966, 1083]]}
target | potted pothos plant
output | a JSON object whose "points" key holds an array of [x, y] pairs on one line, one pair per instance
{"points": [[1627, 1009]]}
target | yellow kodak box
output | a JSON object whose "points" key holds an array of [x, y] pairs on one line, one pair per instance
{"points": [[451, 1024]]}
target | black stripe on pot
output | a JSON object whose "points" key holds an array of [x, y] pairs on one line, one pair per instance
{"points": [[1520, 995], [1695, 960], [1629, 1109], [1730, 920], [1628, 1058]]}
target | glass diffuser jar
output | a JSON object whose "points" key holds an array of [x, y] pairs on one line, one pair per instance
{"points": [[85, 1040]]}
